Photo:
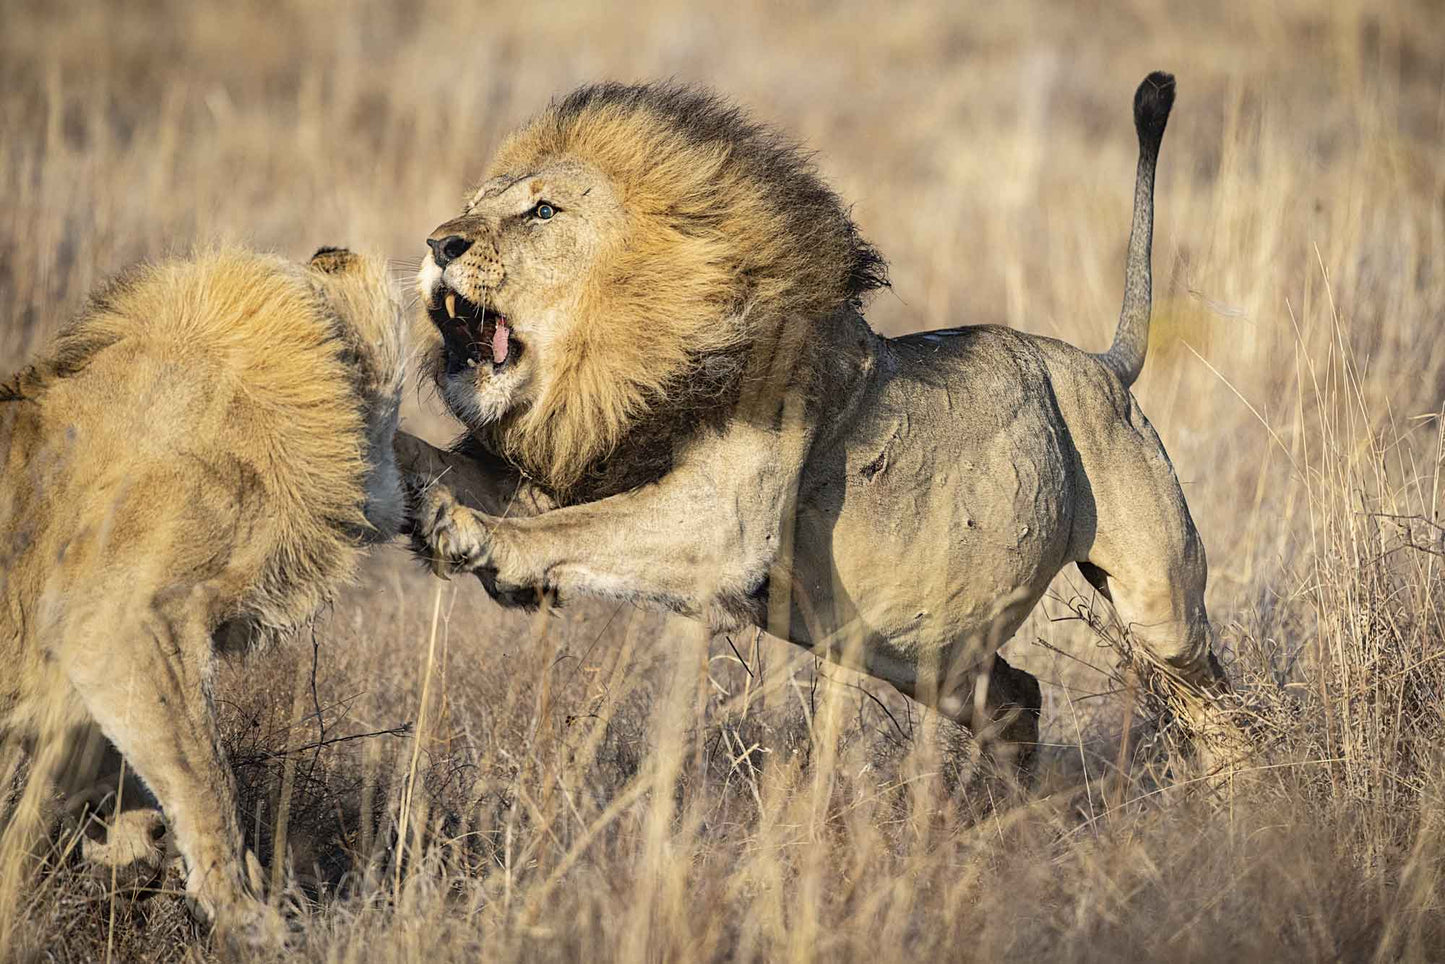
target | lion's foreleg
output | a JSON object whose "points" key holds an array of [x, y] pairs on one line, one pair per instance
{"points": [[699, 542], [143, 676], [656, 552]]}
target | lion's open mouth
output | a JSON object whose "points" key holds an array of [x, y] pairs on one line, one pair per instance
{"points": [[473, 334]]}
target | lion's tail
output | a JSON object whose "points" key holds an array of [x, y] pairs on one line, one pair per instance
{"points": [[1125, 358]]}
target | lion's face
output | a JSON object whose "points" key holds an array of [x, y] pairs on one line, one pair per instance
{"points": [[628, 245], [505, 281]]}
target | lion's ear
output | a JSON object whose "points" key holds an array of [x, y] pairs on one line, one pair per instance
{"points": [[332, 260]]}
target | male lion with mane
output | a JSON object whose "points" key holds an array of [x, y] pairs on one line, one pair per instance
{"points": [[192, 467], [651, 327]]}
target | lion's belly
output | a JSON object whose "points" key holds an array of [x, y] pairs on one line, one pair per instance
{"points": [[940, 520]]}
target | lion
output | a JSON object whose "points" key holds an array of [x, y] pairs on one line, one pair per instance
{"points": [[651, 326], [192, 468]]}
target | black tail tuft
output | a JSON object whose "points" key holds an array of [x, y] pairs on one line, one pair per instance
{"points": [[1152, 102], [1125, 358]]}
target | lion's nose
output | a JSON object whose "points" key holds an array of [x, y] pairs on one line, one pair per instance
{"points": [[448, 249]]}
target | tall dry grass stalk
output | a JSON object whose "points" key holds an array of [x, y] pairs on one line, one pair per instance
{"points": [[602, 783]]}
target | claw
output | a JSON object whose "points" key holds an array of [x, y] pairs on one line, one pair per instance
{"points": [[454, 536]]}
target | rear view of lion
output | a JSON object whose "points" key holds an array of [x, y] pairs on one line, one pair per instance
{"points": [[650, 320], [193, 466]]}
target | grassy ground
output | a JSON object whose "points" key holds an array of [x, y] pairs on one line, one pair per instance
{"points": [[608, 784]]}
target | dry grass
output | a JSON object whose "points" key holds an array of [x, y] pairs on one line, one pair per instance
{"points": [[605, 784]]}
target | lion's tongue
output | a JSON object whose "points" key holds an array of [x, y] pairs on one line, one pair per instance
{"points": [[501, 341]]}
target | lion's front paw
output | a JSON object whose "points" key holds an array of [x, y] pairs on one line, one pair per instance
{"points": [[450, 536], [252, 926]]}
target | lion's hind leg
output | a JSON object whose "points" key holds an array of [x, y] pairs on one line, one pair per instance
{"points": [[1001, 704], [998, 703], [1147, 559], [1175, 636]]}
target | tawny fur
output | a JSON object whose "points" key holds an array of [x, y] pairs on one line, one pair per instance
{"points": [[194, 464], [899, 505]]}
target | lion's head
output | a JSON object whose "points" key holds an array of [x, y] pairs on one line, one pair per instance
{"points": [[626, 243]]}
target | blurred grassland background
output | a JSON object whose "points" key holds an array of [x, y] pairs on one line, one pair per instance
{"points": [[607, 784]]}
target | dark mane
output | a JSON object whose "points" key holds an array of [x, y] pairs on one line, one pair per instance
{"points": [[822, 226]]}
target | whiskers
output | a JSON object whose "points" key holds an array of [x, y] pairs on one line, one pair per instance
{"points": [[404, 271]]}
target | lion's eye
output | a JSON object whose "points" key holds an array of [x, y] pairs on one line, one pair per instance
{"points": [[543, 211]]}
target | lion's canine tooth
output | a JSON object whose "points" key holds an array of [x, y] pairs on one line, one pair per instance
{"points": [[451, 304]]}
